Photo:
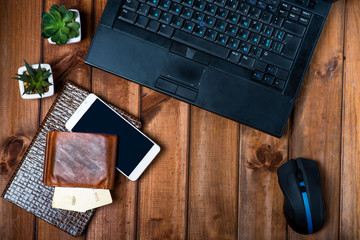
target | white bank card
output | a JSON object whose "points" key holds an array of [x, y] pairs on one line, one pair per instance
{"points": [[80, 199]]}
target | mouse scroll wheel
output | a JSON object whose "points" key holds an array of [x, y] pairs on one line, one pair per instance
{"points": [[299, 175]]}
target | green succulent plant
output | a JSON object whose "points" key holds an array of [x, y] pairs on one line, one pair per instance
{"points": [[34, 80], [59, 24]]}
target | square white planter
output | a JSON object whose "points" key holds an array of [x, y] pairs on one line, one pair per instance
{"points": [[36, 95], [78, 38]]}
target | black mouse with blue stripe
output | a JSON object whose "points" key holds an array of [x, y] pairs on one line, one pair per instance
{"points": [[304, 206]]}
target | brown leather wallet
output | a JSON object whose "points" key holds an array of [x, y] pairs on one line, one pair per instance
{"points": [[80, 160]]}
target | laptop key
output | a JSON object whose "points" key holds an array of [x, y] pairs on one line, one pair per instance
{"points": [[265, 43], [210, 21], [259, 65], [210, 9], [276, 21], [232, 30], [153, 3], [142, 21], [255, 52], [244, 22], [164, 5], [268, 79], [188, 3], [272, 70], [200, 5], [188, 26], [291, 45], [153, 25], [204, 45], [222, 13], [231, 5], [254, 39], [234, 57], [211, 35], [265, 17], [279, 84], [128, 16], [267, 31], [175, 9], [220, 3], [244, 48], [257, 76], [276, 60], [243, 9], [131, 5], [198, 17], [293, 17], [222, 39], [154, 13], [199, 31], [294, 28], [277, 47], [187, 13], [220, 26], [304, 21], [254, 13], [177, 22], [143, 9], [166, 18], [247, 62], [233, 43], [166, 30]]}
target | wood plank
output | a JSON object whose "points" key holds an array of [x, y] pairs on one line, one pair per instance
{"points": [[19, 118], [316, 132], [213, 176], [117, 220], [67, 63], [163, 186], [350, 160], [260, 198]]}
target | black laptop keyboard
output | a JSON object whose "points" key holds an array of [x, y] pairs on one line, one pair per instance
{"points": [[263, 36]]}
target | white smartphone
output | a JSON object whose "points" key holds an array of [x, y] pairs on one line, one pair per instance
{"points": [[135, 149]]}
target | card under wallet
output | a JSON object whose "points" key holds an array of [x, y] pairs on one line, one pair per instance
{"points": [[82, 160], [80, 199]]}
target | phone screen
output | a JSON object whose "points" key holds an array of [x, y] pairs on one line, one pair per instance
{"points": [[132, 145]]}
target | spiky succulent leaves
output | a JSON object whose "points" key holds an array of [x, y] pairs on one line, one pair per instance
{"points": [[59, 24], [37, 79]]}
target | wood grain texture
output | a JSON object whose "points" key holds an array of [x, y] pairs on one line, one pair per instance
{"points": [[18, 118], [350, 160], [163, 186], [260, 197], [213, 176], [316, 132], [118, 220], [67, 62]]}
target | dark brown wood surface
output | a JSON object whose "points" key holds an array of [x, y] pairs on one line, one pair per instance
{"points": [[214, 178]]}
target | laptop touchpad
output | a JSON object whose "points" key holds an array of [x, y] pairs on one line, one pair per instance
{"points": [[183, 70]]}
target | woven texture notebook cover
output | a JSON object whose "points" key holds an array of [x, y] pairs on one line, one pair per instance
{"points": [[26, 188]]}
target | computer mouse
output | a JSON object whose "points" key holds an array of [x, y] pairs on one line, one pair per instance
{"points": [[304, 206]]}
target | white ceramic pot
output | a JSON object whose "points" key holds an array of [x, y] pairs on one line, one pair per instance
{"points": [[36, 95], [78, 38]]}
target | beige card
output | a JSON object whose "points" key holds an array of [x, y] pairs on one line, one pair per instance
{"points": [[80, 199]]}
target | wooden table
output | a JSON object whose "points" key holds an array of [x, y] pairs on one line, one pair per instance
{"points": [[214, 178]]}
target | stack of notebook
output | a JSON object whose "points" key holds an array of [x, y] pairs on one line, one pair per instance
{"points": [[26, 188]]}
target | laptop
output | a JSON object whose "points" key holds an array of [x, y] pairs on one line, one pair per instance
{"points": [[242, 59]]}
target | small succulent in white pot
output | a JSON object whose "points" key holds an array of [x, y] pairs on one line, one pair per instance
{"points": [[35, 81], [61, 26]]}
